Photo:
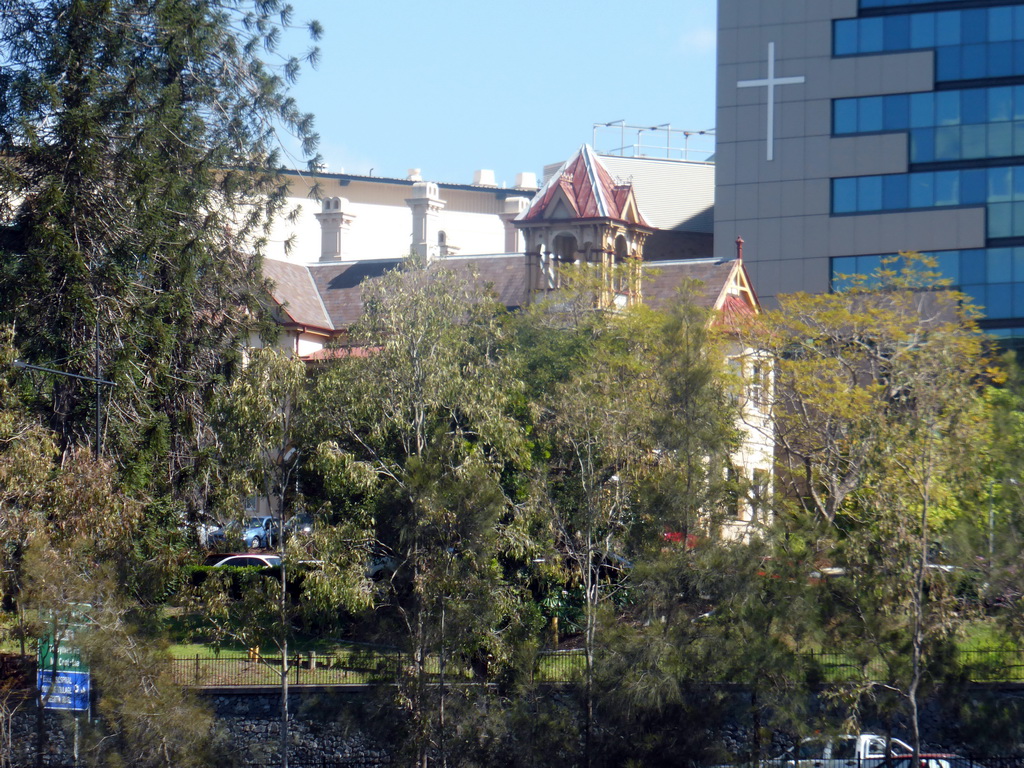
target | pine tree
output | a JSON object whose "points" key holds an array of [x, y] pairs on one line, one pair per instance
{"points": [[137, 175]]}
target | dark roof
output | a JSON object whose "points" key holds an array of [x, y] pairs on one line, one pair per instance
{"points": [[662, 280], [294, 292], [336, 286]]}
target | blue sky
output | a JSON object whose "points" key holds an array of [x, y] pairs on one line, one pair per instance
{"points": [[452, 86]]}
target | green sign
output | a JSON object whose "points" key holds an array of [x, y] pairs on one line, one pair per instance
{"points": [[69, 658]]}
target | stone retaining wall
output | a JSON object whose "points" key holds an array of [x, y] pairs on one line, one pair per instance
{"points": [[333, 726]]}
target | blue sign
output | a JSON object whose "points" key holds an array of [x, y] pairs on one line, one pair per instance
{"points": [[70, 692]]}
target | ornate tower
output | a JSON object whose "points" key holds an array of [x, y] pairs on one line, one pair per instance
{"points": [[584, 219]]}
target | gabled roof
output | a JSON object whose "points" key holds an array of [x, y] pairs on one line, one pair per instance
{"points": [[331, 293], [583, 189], [336, 287], [724, 286], [296, 296]]}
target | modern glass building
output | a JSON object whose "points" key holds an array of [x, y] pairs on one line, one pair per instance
{"points": [[885, 125]]}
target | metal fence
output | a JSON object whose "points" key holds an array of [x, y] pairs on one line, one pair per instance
{"points": [[364, 761], [996, 665], [363, 668], [351, 668]]}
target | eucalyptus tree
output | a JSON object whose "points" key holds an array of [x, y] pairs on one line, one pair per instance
{"points": [[416, 419], [138, 174], [877, 393]]}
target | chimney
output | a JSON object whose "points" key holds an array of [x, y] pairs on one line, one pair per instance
{"points": [[511, 208], [739, 249], [526, 180], [426, 205], [484, 178], [334, 224]]}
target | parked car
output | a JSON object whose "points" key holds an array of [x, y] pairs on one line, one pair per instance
{"points": [[849, 751], [260, 531], [243, 560], [202, 525], [301, 525]]}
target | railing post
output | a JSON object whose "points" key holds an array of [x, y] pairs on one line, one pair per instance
{"points": [[197, 669]]}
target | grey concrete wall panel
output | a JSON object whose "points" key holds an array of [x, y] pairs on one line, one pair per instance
{"points": [[781, 207], [866, 155]]}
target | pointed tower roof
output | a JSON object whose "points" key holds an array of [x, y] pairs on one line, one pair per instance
{"points": [[583, 189]]}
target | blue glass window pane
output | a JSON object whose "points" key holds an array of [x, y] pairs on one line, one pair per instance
{"points": [[922, 194], [1018, 23], [869, 114], [922, 30], [842, 269], [1000, 183], [947, 108], [948, 264], [1018, 102], [1000, 24], [947, 143], [844, 37], [844, 116], [973, 106], [922, 145], [1000, 140], [973, 186], [896, 35], [1000, 59], [1017, 193], [947, 188], [1018, 57], [947, 28], [1018, 299], [896, 113], [998, 265], [973, 141], [973, 62], [868, 265], [1000, 301], [1017, 228], [975, 294], [1000, 219], [947, 63], [895, 192], [844, 195], [869, 193], [1000, 104], [922, 109], [972, 266], [973, 26], [1018, 138], [870, 37], [1018, 265]]}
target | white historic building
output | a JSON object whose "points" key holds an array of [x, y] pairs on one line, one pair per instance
{"points": [[644, 224]]}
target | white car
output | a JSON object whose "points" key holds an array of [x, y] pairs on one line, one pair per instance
{"points": [[246, 560], [849, 751]]}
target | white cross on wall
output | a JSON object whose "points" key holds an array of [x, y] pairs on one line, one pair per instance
{"points": [[770, 83]]}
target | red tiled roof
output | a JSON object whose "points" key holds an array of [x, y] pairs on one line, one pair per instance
{"points": [[587, 186]]}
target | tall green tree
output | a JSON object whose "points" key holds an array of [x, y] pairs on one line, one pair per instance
{"points": [[419, 436], [877, 391], [138, 175]]}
